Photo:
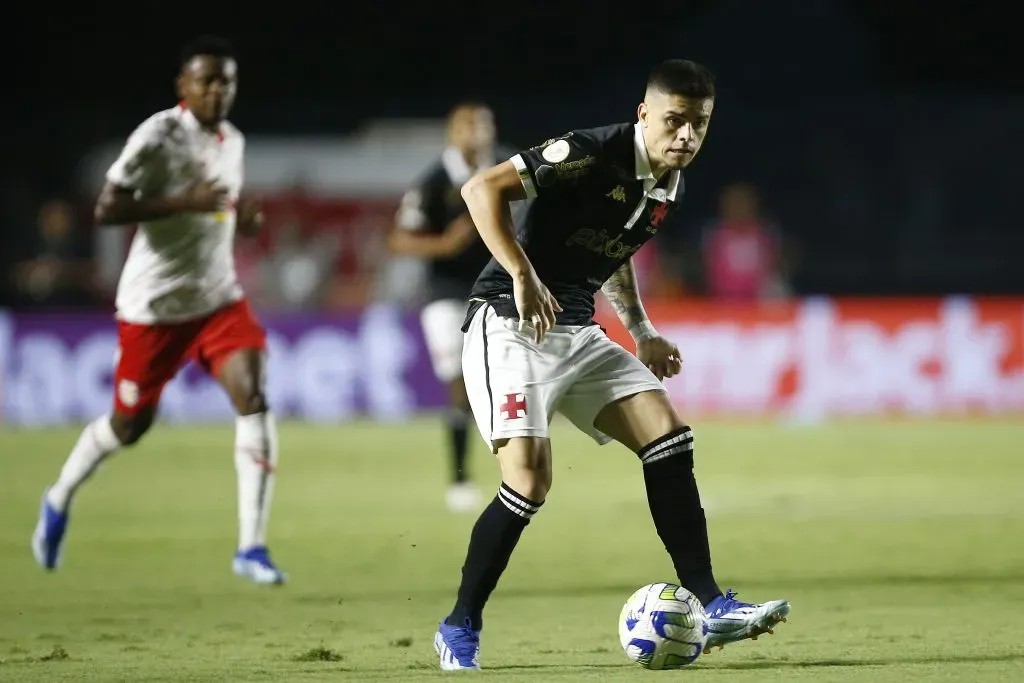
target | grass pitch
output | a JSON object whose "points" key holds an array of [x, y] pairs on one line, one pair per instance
{"points": [[900, 546]]}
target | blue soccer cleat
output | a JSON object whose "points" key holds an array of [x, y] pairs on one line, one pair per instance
{"points": [[255, 564], [48, 535], [457, 646], [730, 620]]}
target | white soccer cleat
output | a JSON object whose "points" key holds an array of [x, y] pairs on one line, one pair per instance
{"points": [[458, 647], [49, 534], [462, 497], [255, 564], [730, 620]]}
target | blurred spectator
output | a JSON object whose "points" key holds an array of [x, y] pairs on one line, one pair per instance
{"points": [[60, 272], [296, 272], [654, 276], [742, 251]]}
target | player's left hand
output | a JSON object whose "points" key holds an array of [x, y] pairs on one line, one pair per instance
{"points": [[250, 217], [660, 355]]}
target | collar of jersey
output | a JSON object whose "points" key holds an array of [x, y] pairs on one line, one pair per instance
{"points": [[644, 172], [456, 167]]}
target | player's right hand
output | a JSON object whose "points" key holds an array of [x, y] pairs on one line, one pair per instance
{"points": [[207, 197], [536, 305]]}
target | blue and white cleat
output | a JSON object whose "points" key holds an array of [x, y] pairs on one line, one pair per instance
{"points": [[730, 620], [49, 534], [457, 646], [255, 564]]}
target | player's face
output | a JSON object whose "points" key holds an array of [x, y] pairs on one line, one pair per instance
{"points": [[208, 85], [674, 128], [472, 129]]}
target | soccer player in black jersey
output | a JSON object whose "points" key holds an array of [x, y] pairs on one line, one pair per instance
{"points": [[433, 223], [533, 349]]}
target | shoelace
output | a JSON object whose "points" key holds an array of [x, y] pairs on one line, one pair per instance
{"points": [[728, 604], [261, 556], [463, 642]]}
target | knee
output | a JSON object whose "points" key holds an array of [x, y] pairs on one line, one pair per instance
{"points": [[666, 423], [531, 484], [527, 468], [129, 428]]}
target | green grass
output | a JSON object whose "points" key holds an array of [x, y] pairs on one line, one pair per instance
{"points": [[900, 546]]}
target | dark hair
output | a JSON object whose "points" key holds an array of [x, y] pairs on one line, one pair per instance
{"points": [[682, 77], [213, 46]]}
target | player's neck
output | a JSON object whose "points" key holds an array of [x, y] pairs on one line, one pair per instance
{"points": [[209, 126], [659, 172]]}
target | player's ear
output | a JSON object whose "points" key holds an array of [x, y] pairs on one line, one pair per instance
{"points": [[179, 86], [641, 113]]}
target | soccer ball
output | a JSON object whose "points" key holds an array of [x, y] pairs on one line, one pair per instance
{"points": [[663, 626]]}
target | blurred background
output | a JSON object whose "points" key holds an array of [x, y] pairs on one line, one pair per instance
{"points": [[845, 232]]}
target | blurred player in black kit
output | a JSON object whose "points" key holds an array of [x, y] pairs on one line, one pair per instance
{"points": [[433, 224]]}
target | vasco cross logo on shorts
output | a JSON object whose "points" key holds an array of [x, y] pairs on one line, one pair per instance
{"points": [[513, 405]]}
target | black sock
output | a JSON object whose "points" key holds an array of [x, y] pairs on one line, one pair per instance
{"points": [[678, 516], [458, 431], [491, 544]]}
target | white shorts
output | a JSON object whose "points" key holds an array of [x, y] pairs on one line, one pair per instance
{"points": [[516, 386], [442, 329]]}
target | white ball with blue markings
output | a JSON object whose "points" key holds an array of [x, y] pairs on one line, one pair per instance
{"points": [[663, 626]]}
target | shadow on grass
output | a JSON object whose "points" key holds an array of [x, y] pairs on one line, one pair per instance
{"points": [[761, 584], [793, 664]]}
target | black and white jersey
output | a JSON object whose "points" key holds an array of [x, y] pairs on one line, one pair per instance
{"points": [[595, 203], [431, 206]]}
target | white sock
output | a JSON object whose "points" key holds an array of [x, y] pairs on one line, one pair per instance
{"points": [[255, 464], [96, 443]]}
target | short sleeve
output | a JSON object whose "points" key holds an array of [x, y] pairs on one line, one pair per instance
{"points": [[138, 162], [556, 163], [423, 205]]}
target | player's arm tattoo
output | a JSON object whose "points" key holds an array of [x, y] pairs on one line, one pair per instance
{"points": [[624, 296]]}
